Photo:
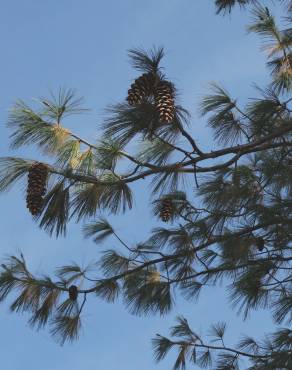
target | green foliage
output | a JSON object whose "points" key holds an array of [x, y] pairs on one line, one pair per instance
{"points": [[249, 288], [182, 329], [62, 104], [144, 297], [66, 328], [227, 5], [113, 263], [107, 153], [55, 213], [70, 273], [282, 308], [155, 151], [30, 128], [230, 209], [69, 153], [226, 126], [40, 297], [124, 122], [195, 350], [43, 312], [100, 230], [218, 331], [161, 346], [146, 61], [11, 170], [43, 127], [277, 43], [115, 196], [108, 290], [168, 181], [264, 24]]}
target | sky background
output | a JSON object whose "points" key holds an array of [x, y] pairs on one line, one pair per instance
{"points": [[83, 44]]}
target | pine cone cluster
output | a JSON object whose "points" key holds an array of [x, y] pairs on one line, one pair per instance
{"points": [[164, 101], [73, 292], [166, 210], [163, 92], [141, 88], [36, 188]]}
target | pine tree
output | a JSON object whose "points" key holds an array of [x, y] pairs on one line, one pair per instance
{"points": [[235, 225]]}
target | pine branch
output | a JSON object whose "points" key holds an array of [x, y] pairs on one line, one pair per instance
{"points": [[146, 61], [225, 6], [189, 344], [238, 230]]}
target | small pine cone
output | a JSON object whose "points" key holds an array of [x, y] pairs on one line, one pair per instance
{"points": [[164, 101], [141, 88], [36, 187], [260, 244], [166, 210], [73, 292]]}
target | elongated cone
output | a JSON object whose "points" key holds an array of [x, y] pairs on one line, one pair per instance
{"points": [[36, 187], [164, 101]]}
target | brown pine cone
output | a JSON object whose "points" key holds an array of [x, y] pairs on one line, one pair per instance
{"points": [[141, 88], [36, 187], [73, 292], [166, 210], [164, 101]]}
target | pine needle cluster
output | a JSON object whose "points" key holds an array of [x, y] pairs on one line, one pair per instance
{"points": [[226, 213]]}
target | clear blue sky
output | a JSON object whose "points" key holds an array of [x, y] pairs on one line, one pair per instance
{"points": [[82, 44]]}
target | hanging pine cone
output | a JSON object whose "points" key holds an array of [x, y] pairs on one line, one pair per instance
{"points": [[141, 88], [36, 187], [73, 292], [164, 101], [166, 210]]}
